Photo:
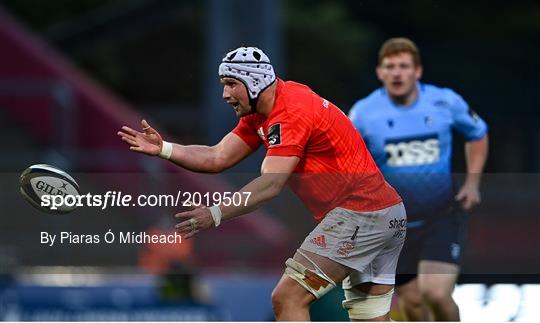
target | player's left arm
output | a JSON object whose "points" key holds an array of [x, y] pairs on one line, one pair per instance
{"points": [[476, 153], [474, 129], [274, 174]]}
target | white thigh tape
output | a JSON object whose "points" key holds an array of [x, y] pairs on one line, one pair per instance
{"points": [[362, 306], [316, 282]]}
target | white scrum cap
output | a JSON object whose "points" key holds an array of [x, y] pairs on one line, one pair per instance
{"points": [[251, 66]]}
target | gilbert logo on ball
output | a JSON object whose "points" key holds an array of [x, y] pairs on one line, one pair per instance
{"points": [[49, 189]]}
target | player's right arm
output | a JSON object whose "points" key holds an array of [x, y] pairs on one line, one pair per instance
{"points": [[211, 159], [205, 159]]}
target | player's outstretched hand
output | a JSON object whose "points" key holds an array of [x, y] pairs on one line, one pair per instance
{"points": [[148, 142], [194, 221], [468, 196]]}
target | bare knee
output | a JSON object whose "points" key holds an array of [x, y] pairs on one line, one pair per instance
{"points": [[436, 282], [436, 296], [280, 300], [289, 295], [409, 296]]}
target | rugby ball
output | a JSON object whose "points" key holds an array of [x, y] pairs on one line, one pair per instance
{"points": [[49, 189]]}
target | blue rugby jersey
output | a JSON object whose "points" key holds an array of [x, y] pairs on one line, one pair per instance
{"points": [[412, 145]]}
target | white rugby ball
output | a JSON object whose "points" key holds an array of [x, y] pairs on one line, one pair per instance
{"points": [[39, 180]]}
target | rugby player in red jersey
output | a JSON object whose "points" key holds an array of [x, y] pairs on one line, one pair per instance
{"points": [[312, 146]]}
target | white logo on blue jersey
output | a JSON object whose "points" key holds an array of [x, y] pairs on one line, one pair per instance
{"points": [[413, 151]]}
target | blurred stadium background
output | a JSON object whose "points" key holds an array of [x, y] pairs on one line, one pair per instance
{"points": [[73, 72]]}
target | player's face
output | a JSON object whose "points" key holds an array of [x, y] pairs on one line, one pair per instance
{"points": [[399, 75], [235, 94]]}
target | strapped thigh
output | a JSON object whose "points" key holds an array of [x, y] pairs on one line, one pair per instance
{"points": [[362, 306], [316, 282]]}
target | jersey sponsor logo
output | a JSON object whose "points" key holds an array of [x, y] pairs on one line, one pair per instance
{"points": [[409, 151], [274, 134], [319, 241]]}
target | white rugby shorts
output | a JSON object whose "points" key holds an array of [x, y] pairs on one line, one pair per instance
{"points": [[367, 242]]}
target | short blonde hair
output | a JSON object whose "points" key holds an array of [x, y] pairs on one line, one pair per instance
{"points": [[394, 46]]}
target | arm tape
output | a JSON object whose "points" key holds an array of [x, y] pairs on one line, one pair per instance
{"points": [[216, 214], [166, 150]]}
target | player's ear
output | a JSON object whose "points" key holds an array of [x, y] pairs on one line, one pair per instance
{"points": [[379, 71], [418, 72]]}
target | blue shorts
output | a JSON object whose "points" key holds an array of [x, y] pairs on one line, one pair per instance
{"points": [[439, 238]]}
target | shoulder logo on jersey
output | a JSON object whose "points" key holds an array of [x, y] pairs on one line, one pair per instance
{"points": [[390, 123], [412, 151], [274, 134], [325, 103], [260, 132], [474, 115]]}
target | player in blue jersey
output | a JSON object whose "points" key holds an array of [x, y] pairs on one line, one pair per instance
{"points": [[408, 126]]}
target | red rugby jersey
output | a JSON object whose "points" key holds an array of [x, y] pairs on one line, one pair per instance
{"points": [[335, 168]]}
